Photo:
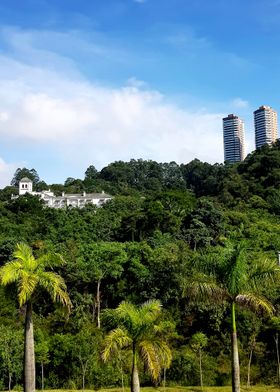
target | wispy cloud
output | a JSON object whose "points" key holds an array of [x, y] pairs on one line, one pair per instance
{"points": [[240, 103], [83, 122], [202, 50], [52, 49], [134, 82], [185, 37]]}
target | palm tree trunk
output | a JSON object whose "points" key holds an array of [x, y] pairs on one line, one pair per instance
{"points": [[42, 376], [276, 339], [98, 303], [235, 358], [200, 369], [29, 356], [135, 384]]}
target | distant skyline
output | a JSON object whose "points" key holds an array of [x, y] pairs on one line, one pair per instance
{"points": [[91, 82]]}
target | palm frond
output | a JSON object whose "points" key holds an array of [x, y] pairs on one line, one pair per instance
{"points": [[10, 272], [156, 354], [116, 339], [236, 272], [150, 358], [205, 288], [150, 311], [23, 253], [128, 315], [163, 351], [28, 272], [254, 302], [264, 271], [26, 286], [125, 310], [54, 284]]}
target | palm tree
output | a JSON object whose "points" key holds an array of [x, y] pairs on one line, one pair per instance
{"points": [[138, 330], [231, 278], [29, 274]]}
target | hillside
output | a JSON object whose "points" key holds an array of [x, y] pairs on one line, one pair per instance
{"points": [[164, 220]]}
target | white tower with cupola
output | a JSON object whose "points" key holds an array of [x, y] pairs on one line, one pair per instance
{"points": [[25, 186]]}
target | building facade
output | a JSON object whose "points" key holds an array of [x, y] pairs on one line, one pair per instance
{"points": [[66, 199], [266, 128], [233, 133]]}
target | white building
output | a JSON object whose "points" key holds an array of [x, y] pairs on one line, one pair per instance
{"points": [[234, 145], [266, 129], [66, 199]]}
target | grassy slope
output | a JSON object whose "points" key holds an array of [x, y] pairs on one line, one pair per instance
{"points": [[186, 389]]}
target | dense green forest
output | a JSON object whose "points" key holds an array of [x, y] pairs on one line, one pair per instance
{"points": [[165, 224]]}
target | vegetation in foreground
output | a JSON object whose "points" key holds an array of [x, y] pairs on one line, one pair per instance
{"points": [[255, 388], [150, 242]]}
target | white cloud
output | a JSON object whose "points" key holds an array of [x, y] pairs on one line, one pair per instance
{"points": [[128, 121], [3, 116], [88, 123], [134, 82], [240, 103]]}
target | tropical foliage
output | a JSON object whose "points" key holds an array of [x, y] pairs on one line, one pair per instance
{"points": [[29, 273], [230, 277], [172, 233], [140, 331]]}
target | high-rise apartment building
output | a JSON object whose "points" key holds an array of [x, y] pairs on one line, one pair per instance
{"points": [[265, 119], [233, 130]]}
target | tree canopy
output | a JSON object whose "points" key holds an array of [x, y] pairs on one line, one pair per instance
{"points": [[168, 227]]}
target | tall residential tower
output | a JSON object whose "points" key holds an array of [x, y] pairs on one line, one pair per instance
{"points": [[233, 130], [265, 119]]}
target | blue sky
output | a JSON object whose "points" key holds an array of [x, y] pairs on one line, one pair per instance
{"points": [[93, 81]]}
